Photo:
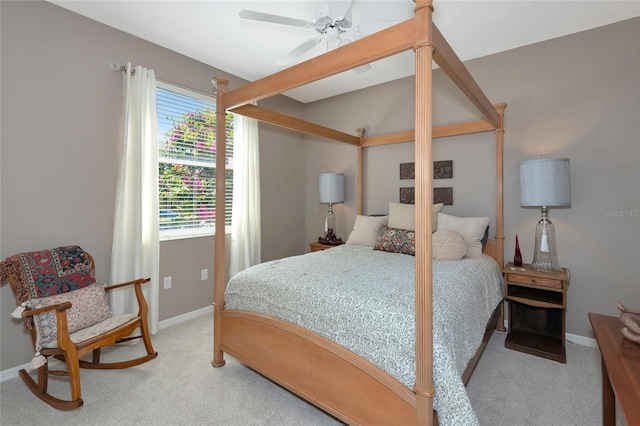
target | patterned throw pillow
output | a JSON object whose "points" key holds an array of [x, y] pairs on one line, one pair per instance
{"points": [[396, 241], [89, 306]]}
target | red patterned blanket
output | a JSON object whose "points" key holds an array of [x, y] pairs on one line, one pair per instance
{"points": [[46, 273]]}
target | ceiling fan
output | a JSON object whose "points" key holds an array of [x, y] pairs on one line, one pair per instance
{"points": [[331, 29]]}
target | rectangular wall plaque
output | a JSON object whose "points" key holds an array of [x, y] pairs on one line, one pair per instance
{"points": [[443, 169], [407, 170], [443, 195], [440, 195], [407, 195]]}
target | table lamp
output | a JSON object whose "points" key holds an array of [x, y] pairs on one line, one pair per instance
{"points": [[331, 191], [545, 183]]}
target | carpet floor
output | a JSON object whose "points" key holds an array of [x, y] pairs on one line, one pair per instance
{"points": [[181, 388]]}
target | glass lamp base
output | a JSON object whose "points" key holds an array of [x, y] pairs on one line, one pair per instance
{"points": [[545, 254], [330, 221], [329, 229]]}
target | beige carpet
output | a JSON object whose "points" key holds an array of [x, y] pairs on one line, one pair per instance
{"points": [[181, 388]]}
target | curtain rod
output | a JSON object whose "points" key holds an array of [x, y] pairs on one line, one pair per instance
{"points": [[123, 68]]}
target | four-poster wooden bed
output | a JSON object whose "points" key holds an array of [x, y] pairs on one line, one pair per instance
{"points": [[317, 369]]}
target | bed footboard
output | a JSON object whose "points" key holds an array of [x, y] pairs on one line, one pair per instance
{"points": [[322, 372]]}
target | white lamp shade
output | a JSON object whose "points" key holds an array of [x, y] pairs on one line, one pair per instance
{"points": [[331, 188], [545, 183]]}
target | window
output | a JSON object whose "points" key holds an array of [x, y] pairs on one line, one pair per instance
{"points": [[187, 162]]}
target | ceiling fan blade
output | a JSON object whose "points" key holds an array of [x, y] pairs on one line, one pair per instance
{"points": [[292, 56], [275, 19], [345, 20]]}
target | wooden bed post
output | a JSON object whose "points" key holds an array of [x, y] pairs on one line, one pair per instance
{"points": [[219, 265], [500, 200], [500, 186], [360, 174], [424, 387]]}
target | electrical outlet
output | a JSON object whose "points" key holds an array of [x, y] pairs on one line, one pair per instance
{"points": [[167, 282], [204, 274]]}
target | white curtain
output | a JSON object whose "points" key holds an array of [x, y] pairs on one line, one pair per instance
{"points": [[245, 221], [135, 250]]}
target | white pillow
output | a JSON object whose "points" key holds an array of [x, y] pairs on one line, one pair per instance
{"points": [[471, 228], [403, 216], [365, 230]]}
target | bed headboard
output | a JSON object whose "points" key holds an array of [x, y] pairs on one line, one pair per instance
{"points": [[491, 249]]}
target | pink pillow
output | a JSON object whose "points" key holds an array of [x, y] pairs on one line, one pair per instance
{"points": [[448, 245], [89, 306]]}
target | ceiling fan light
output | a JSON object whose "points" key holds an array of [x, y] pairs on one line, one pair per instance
{"points": [[333, 34]]}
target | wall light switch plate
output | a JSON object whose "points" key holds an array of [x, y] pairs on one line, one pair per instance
{"points": [[167, 282], [204, 274]]}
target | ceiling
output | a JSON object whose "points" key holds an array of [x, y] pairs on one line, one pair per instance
{"points": [[212, 31]]}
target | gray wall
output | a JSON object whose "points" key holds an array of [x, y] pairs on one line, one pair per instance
{"points": [[61, 123], [577, 97]]}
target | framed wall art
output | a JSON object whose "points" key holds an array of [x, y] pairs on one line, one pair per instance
{"points": [[408, 195], [440, 195], [443, 169], [407, 171], [443, 195]]}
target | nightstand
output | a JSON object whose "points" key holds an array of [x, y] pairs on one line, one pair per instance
{"points": [[537, 304], [320, 246]]}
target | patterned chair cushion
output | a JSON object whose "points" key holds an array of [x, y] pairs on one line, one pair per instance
{"points": [[89, 306], [98, 329]]}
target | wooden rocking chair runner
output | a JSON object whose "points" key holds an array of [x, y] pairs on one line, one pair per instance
{"points": [[68, 316]]}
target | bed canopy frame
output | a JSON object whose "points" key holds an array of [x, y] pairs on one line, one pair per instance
{"points": [[322, 372]]}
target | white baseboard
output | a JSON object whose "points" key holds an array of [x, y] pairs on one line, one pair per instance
{"points": [[186, 317], [573, 338], [12, 373], [581, 340]]}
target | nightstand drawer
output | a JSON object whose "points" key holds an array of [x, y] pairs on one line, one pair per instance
{"points": [[319, 246], [536, 281]]}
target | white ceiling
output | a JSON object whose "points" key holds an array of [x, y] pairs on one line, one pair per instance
{"points": [[213, 33]]}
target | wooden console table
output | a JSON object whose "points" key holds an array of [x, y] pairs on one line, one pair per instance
{"points": [[620, 370]]}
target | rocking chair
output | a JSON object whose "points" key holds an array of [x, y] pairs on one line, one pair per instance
{"points": [[67, 313]]}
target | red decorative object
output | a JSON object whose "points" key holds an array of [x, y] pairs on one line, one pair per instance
{"points": [[517, 258]]}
